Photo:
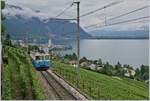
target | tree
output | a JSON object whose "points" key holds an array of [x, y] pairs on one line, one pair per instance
{"points": [[118, 66], [137, 72], [143, 69], [84, 59], [145, 76], [71, 57], [142, 74], [5, 37], [119, 70], [2, 17], [107, 69], [7, 40], [2, 4], [95, 62], [33, 48], [74, 56], [100, 62]]}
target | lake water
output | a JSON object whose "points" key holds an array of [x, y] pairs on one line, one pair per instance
{"points": [[132, 52]]}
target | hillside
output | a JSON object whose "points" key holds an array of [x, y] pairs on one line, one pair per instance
{"points": [[18, 23], [100, 86], [19, 77]]}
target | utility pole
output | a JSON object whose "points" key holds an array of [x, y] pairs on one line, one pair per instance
{"points": [[27, 42], [78, 41], [105, 15]]}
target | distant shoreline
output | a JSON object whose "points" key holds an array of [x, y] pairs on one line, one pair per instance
{"points": [[123, 38], [107, 38]]}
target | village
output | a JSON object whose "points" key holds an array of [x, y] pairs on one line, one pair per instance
{"points": [[46, 47]]}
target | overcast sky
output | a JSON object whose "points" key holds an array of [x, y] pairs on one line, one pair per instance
{"points": [[50, 8]]}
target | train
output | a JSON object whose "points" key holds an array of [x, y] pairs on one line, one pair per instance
{"points": [[41, 61]]}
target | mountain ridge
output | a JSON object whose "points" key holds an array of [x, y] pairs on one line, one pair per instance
{"points": [[39, 29], [24, 20]]}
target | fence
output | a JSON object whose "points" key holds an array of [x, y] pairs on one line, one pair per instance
{"points": [[86, 85]]}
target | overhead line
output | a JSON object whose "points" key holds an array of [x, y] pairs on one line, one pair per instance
{"points": [[126, 21], [61, 13], [120, 15], [128, 13], [142, 21], [65, 19], [106, 6]]}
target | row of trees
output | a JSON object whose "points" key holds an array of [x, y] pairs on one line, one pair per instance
{"points": [[70, 56], [119, 70], [142, 73], [108, 69]]}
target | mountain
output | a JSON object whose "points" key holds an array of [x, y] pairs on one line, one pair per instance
{"points": [[23, 22], [20, 21], [134, 34]]}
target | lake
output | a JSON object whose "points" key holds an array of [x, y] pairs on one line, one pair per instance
{"points": [[132, 52]]}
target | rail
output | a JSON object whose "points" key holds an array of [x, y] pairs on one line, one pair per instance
{"points": [[61, 92]]}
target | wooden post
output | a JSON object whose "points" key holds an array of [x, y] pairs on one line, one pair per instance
{"points": [[83, 84], [78, 41], [90, 89], [98, 89]]}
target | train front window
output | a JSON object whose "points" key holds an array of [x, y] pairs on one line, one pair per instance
{"points": [[47, 57], [37, 57], [42, 57]]}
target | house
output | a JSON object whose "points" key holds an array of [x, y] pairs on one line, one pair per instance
{"points": [[92, 66], [129, 73], [84, 64], [73, 62], [14, 42], [132, 72], [22, 43], [99, 68], [46, 49], [147, 81], [75, 65]]}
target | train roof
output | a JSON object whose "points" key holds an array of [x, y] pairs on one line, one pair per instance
{"points": [[39, 54]]}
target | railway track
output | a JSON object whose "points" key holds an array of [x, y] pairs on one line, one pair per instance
{"points": [[58, 89]]}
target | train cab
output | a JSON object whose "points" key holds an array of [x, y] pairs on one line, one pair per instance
{"points": [[41, 61]]}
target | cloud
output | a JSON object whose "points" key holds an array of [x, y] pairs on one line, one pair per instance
{"points": [[50, 8]]}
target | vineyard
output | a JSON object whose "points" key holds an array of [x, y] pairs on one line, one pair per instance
{"points": [[19, 77], [99, 86], [20, 81]]}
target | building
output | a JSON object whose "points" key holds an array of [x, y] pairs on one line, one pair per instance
{"points": [[129, 73], [99, 68], [92, 66], [84, 64], [22, 43], [73, 62], [49, 43]]}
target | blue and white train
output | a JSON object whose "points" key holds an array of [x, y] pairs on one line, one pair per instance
{"points": [[41, 61]]}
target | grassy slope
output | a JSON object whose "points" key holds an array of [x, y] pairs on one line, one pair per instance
{"points": [[7, 82], [23, 81], [110, 88]]}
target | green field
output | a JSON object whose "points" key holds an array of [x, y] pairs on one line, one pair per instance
{"points": [[19, 77], [20, 81], [100, 86]]}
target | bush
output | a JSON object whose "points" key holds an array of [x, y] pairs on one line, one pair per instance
{"points": [[27, 74], [7, 93]]}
